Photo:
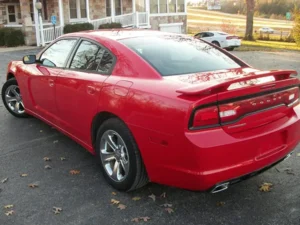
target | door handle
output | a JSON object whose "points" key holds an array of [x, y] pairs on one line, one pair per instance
{"points": [[91, 90], [51, 82]]}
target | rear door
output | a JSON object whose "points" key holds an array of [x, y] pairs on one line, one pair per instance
{"points": [[78, 87]]}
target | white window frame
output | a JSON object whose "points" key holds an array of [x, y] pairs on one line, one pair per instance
{"points": [[79, 18], [16, 13], [168, 13]]}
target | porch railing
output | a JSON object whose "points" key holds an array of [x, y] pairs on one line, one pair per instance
{"points": [[98, 22], [50, 33], [126, 20]]}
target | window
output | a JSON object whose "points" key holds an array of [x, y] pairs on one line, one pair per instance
{"points": [[167, 6], [108, 8], [106, 62], [57, 54], [173, 55], [86, 57], [140, 5], [154, 6], [92, 57], [118, 7], [11, 13], [77, 9]]}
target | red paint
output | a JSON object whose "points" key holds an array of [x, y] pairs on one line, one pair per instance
{"points": [[158, 110]]}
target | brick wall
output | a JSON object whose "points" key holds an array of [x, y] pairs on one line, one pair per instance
{"points": [[127, 6], [156, 20], [97, 9], [2, 14]]}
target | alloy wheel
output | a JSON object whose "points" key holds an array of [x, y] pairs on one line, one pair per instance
{"points": [[114, 155], [13, 99]]}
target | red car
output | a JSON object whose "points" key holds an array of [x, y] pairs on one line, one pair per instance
{"points": [[160, 107]]}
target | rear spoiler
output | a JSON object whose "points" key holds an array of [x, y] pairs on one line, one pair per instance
{"points": [[216, 86]]}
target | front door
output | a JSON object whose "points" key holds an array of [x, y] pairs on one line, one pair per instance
{"points": [[42, 82], [78, 88]]}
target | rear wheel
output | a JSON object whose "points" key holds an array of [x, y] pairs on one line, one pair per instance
{"points": [[230, 49], [216, 43], [12, 98], [120, 158]]}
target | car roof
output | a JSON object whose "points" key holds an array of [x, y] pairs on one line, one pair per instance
{"points": [[118, 34]]}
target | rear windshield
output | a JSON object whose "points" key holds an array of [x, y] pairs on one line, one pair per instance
{"points": [[175, 54]]}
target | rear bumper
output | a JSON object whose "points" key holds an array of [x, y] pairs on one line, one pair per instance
{"points": [[225, 184]]}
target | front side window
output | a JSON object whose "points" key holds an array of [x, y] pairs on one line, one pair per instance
{"points": [[175, 55], [56, 55]]}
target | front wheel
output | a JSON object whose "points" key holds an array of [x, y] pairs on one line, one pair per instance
{"points": [[120, 158], [12, 98]]}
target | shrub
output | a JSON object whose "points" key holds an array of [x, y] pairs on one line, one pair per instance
{"points": [[296, 30], [11, 37], [71, 28], [110, 25]]}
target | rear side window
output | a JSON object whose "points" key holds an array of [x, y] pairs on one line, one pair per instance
{"points": [[175, 54], [92, 57]]}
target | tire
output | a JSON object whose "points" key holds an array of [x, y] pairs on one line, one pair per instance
{"points": [[230, 49], [136, 175], [15, 105], [216, 43]]}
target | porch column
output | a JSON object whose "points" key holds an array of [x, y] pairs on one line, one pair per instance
{"points": [[147, 6], [88, 10], [112, 5], [133, 6], [36, 24], [61, 14]]}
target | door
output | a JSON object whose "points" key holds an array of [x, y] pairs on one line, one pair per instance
{"points": [[42, 82], [78, 88]]}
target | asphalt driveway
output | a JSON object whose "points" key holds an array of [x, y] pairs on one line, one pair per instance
{"points": [[85, 198]]}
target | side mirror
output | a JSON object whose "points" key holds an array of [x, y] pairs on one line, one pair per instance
{"points": [[29, 59]]}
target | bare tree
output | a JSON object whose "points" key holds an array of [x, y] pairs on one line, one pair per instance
{"points": [[249, 23]]}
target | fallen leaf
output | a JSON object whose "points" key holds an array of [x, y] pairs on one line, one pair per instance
{"points": [[121, 206], [169, 210], [298, 154], [41, 131], [48, 167], [265, 187], [8, 213], [166, 205], [289, 171], [74, 172], [47, 159], [24, 175], [136, 198], [63, 159], [135, 220], [4, 180], [57, 210], [114, 193], [163, 195], [33, 185], [56, 141], [114, 201], [146, 218], [153, 197], [8, 206], [220, 203]]}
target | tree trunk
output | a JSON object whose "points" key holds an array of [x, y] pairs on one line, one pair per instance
{"points": [[249, 21]]}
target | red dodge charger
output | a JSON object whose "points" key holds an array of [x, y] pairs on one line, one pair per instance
{"points": [[160, 107]]}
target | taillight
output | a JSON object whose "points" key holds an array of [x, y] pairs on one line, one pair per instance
{"points": [[206, 117], [230, 112]]}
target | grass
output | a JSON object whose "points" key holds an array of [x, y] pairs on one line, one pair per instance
{"points": [[267, 46]]}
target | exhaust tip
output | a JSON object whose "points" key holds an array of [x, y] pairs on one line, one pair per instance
{"points": [[220, 187]]}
